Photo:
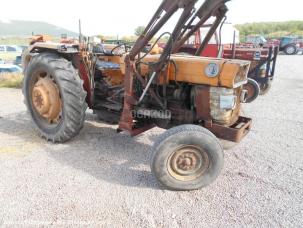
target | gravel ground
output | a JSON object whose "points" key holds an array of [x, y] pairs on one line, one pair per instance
{"points": [[103, 178]]}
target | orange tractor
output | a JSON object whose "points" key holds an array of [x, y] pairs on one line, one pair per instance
{"points": [[198, 100]]}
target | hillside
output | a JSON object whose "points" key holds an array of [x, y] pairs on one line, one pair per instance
{"points": [[17, 28], [272, 29]]}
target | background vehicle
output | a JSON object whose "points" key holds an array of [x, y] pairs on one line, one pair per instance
{"points": [[18, 60], [257, 41], [260, 41], [196, 99], [8, 68], [225, 43], [291, 45], [10, 48]]}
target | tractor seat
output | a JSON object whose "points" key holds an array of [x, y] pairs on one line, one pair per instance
{"points": [[104, 65], [99, 49]]}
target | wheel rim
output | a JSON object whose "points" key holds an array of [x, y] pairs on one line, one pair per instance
{"points": [[250, 90], [188, 163], [46, 99]]}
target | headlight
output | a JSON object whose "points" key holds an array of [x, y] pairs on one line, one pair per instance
{"points": [[223, 98], [223, 103], [228, 102]]}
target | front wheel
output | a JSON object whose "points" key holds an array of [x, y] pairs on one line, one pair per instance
{"points": [[253, 90], [187, 157]]}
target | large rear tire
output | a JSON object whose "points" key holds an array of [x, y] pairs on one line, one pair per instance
{"points": [[54, 97], [187, 157]]}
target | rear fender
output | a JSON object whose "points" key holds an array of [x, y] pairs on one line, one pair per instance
{"points": [[26, 58], [87, 83]]}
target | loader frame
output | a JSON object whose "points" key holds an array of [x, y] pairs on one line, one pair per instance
{"points": [[184, 28]]}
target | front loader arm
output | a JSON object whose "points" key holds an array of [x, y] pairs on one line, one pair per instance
{"points": [[165, 11], [209, 8], [184, 28]]}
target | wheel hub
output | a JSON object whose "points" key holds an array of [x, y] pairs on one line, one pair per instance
{"points": [[46, 99], [290, 50], [250, 90], [188, 163]]}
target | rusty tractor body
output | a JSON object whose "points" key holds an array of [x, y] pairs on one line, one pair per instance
{"points": [[197, 99]]}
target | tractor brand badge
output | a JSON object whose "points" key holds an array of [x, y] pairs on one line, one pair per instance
{"points": [[257, 55], [212, 70]]}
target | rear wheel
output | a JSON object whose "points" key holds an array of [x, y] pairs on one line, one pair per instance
{"points": [[253, 90], [187, 157], [290, 50], [55, 97]]}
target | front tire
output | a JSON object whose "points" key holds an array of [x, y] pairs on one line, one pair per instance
{"points": [[187, 157], [253, 90], [54, 97]]}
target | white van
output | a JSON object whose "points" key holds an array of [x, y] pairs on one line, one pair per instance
{"points": [[10, 48]]}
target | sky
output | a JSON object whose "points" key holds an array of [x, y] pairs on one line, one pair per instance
{"points": [[121, 17]]}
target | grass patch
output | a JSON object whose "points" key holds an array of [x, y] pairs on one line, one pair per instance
{"points": [[14, 40], [13, 80]]}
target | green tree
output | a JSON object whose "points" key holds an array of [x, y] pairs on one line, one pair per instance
{"points": [[271, 29], [101, 37]]}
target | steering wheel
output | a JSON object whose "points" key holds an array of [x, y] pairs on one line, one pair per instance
{"points": [[121, 48]]}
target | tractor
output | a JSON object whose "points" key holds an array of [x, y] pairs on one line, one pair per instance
{"points": [[291, 45], [196, 99]]}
